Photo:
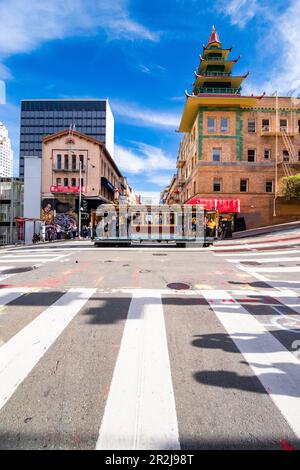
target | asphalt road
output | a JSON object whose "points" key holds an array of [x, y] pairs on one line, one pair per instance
{"points": [[150, 347]]}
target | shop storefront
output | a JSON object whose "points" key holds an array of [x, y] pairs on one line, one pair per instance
{"points": [[221, 215]]}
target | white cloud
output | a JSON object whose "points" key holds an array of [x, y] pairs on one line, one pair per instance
{"points": [[279, 36], [26, 25], [152, 69], [160, 180], [143, 158], [151, 162], [286, 73], [144, 116], [239, 11], [153, 195]]}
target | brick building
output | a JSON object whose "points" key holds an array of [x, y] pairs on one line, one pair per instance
{"points": [[236, 148], [101, 181]]}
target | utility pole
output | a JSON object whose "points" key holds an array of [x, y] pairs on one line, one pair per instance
{"points": [[79, 213], [276, 156]]}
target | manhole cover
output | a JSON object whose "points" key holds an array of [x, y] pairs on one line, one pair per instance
{"points": [[159, 254], [178, 286], [18, 270]]}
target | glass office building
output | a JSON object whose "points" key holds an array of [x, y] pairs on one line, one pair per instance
{"points": [[45, 117]]}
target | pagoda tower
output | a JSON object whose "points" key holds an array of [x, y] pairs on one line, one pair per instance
{"points": [[214, 83]]}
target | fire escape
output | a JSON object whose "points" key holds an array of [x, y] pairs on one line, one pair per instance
{"points": [[291, 158]]}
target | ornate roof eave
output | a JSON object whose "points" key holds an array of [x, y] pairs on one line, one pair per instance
{"points": [[232, 76], [192, 95]]}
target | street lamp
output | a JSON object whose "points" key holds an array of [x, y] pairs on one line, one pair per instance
{"points": [[80, 189], [79, 212], [276, 156]]}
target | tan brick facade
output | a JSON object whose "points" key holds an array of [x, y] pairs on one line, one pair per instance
{"points": [[60, 165], [249, 134]]}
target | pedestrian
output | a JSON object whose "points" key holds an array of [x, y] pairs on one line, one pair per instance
{"points": [[212, 226], [223, 230], [84, 231]]}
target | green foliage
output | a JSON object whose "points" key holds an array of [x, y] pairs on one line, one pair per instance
{"points": [[291, 187]]}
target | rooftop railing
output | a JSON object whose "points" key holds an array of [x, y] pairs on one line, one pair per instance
{"points": [[219, 91], [216, 74], [214, 58]]}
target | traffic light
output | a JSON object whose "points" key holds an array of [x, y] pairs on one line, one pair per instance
{"points": [[84, 205]]}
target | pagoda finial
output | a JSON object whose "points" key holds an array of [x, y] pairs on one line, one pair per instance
{"points": [[214, 37]]}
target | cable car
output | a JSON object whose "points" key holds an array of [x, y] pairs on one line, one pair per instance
{"points": [[113, 224]]}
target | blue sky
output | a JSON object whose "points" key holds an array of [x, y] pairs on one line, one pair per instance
{"points": [[141, 55]]}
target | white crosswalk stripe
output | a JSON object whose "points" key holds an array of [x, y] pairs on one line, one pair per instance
{"points": [[140, 411], [289, 259], [20, 354], [18, 258], [277, 369]]}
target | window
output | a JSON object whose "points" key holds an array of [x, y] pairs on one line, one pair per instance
{"points": [[299, 126], [216, 155], [267, 154], [81, 182], [194, 187], [283, 124], [286, 156], [211, 125], [251, 125], [244, 186], [59, 162], [269, 186], [73, 162], [224, 124], [299, 155], [73, 182], [66, 182], [251, 155], [266, 125], [58, 181], [66, 162], [217, 185], [81, 160]]}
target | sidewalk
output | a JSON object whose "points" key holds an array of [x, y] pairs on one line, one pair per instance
{"points": [[22, 245], [266, 230]]}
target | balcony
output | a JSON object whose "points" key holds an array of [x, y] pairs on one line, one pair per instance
{"points": [[219, 91], [68, 170], [181, 180], [269, 131]]}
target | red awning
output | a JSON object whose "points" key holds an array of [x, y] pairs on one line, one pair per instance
{"points": [[208, 204], [220, 205]]}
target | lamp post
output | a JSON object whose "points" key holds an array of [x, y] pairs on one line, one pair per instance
{"points": [[79, 214], [276, 156]]}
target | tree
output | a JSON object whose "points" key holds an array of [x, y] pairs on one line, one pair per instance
{"points": [[291, 187]]}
